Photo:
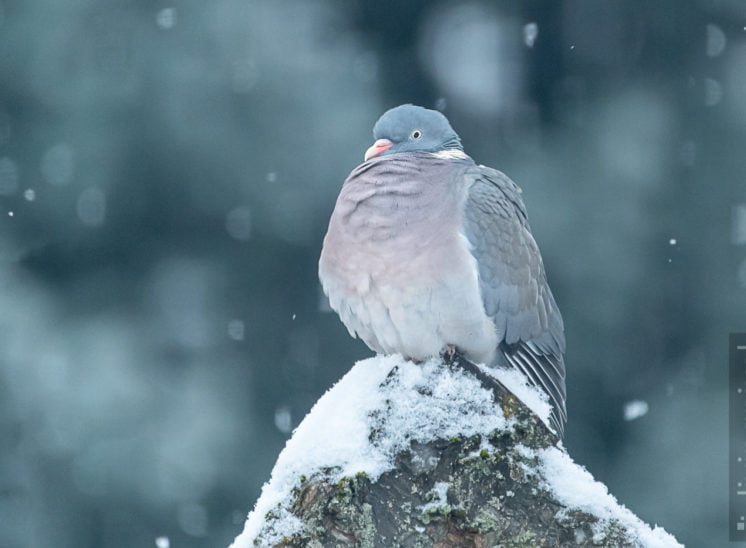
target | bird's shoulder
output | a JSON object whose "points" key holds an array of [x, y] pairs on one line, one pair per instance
{"points": [[492, 195]]}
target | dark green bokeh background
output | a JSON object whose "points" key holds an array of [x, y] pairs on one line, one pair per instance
{"points": [[166, 173]]}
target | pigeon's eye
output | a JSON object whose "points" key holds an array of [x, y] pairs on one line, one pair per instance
{"points": [[417, 134]]}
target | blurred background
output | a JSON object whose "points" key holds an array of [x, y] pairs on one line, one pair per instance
{"points": [[167, 170]]}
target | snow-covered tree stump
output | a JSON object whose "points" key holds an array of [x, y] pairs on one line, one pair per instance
{"points": [[437, 454]]}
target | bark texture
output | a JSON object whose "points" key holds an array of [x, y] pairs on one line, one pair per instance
{"points": [[450, 493]]}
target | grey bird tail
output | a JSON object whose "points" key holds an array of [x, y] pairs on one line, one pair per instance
{"points": [[542, 368]]}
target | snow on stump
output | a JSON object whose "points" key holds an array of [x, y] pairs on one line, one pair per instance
{"points": [[440, 454]]}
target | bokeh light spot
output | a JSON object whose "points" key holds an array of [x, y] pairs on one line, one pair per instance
{"points": [[91, 206], [58, 165], [715, 40], [283, 419], [635, 409], [530, 33], [236, 330], [238, 223], [166, 18], [473, 54]]}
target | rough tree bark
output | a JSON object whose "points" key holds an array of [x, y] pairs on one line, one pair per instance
{"points": [[449, 493]]}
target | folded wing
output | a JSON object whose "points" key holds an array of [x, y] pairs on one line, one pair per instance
{"points": [[513, 283]]}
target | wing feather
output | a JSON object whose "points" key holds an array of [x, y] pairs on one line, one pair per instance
{"points": [[513, 283]]}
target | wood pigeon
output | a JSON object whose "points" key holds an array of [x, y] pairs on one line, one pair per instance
{"points": [[427, 252]]}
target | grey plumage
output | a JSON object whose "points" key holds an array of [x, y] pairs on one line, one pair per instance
{"points": [[426, 249], [513, 284]]}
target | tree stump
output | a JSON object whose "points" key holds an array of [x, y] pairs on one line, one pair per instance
{"points": [[432, 468]]}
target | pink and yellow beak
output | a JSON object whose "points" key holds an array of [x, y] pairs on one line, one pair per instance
{"points": [[379, 147]]}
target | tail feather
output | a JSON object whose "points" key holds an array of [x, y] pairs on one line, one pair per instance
{"points": [[542, 369]]}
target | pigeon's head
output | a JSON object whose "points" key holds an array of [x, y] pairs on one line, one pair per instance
{"points": [[408, 128]]}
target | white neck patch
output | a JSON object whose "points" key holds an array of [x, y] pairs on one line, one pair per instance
{"points": [[450, 154]]}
